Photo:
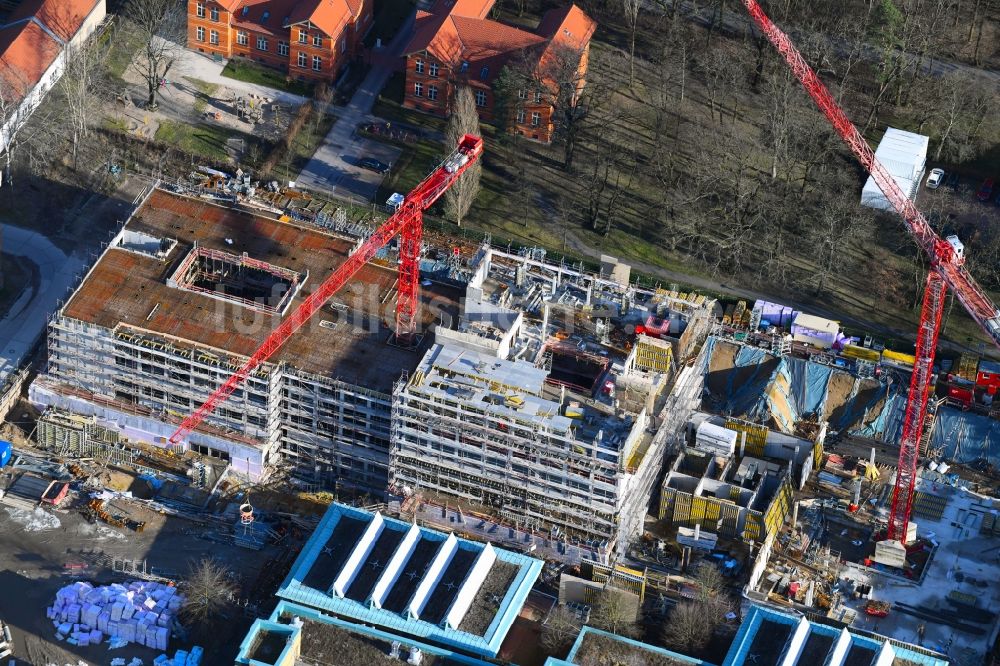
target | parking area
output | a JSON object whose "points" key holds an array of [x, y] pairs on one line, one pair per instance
{"points": [[336, 167]]}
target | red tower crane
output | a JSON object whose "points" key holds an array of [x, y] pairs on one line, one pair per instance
{"points": [[947, 270], [407, 221]]}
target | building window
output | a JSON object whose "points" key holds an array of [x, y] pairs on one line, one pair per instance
{"points": [[213, 37], [318, 40], [480, 98], [261, 44], [317, 63], [201, 10], [214, 13], [419, 66], [520, 116], [536, 118], [418, 89], [520, 94], [432, 92], [303, 37], [200, 32], [283, 48], [302, 59], [484, 73], [434, 69], [538, 97], [242, 38], [343, 45]]}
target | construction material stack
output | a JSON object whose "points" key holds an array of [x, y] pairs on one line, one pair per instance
{"points": [[140, 612]]}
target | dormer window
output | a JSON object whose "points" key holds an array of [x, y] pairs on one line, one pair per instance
{"points": [[465, 67], [265, 16], [483, 73], [246, 10]]}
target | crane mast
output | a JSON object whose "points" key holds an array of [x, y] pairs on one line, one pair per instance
{"points": [[947, 270], [407, 221]]}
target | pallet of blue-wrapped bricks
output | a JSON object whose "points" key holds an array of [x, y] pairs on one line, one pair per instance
{"points": [[140, 612]]}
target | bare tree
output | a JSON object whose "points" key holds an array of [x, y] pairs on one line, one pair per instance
{"points": [[576, 97], [77, 90], [559, 630], [160, 26], [464, 120], [630, 8], [208, 592], [686, 628], [693, 623], [617, 612]]}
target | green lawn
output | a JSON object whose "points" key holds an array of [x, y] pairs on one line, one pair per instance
{"points": [[389, 105], [200, 139], [251, 72], [389, 16]]}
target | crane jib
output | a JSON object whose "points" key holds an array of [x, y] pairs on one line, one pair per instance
{"points": [[407, 222]]}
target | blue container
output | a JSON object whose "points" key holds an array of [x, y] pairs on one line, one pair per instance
{"points": [[6, 451]]}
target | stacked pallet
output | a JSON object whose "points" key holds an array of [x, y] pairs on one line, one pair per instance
{"points": [[140, 612]]}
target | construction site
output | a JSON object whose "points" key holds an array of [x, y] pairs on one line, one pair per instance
{"points": [[459, 412], [535, 394]]}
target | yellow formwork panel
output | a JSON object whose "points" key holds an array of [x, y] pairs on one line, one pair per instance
{"points": [[624, 578], [653, 355], [751, 529], [667, 496], [755, 436]]}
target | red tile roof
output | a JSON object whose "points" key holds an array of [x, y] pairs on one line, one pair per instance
{"points": [[250, 14], [26, 52], [453, 37], [329, 16], [470, 8], [567, 25], [63, 17], [228, 5]]}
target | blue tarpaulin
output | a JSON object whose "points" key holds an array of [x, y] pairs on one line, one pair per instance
{"points": [[961, 437]]}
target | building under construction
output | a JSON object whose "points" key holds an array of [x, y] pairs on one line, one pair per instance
{"points": [[189, 289], [530, 412], [542, 394], [736, 479]]}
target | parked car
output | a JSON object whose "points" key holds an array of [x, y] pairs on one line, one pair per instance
{"points": [[373, 164], [935, 179], [985, 190]]}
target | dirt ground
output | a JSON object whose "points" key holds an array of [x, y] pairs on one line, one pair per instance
{"points": [[192, 101], [837, 392], [722, 361], [35, 564]]}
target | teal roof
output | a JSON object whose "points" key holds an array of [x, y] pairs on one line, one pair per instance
{"points": [[574, 653], [279, 623], [770, 636], [313, 588]]}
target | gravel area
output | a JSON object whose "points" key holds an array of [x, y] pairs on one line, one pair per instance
{"points": [[487, 601]]}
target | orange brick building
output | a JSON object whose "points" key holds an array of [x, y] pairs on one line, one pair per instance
{"points": [[309, 39], [455, 44]]}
